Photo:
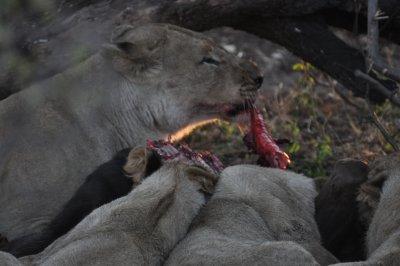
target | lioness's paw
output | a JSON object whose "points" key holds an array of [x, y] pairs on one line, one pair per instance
{"points": [[204, 178], [370, 191], [369, 195], [382, 168]]}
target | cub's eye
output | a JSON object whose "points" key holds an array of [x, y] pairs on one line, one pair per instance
{"points": [[209, 60]]}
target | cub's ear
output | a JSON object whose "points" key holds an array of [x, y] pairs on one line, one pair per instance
{"points": [[136, 163], [139, 43], [141, 163]]}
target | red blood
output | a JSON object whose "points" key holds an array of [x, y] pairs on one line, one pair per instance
{"points": [[169, 151], [261, 142]]}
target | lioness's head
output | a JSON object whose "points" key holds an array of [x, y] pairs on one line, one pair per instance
{"points": [[180, 76]]}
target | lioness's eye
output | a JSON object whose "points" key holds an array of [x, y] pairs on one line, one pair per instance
{"points": [[209, 60]]}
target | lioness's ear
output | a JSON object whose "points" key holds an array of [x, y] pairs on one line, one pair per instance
{"points": [[140, 43]]}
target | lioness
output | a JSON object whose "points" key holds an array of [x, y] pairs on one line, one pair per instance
{"points": [[138, 229], [337, 211], [381, 193], [150, 82], [111, 180], [257, 216]]}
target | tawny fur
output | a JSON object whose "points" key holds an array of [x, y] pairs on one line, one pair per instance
{"points": [[111, 180], [337, 211], [257, 216], [136, 163], [149, 82], [383, 236], [138, 229]]}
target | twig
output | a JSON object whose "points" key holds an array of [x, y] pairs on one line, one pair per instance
{"points": [[339, 89], [374, 118], [375, 61], [357, 8], [390, 95], [392, 73], [382, 129], [372, 34], [362, 109]]}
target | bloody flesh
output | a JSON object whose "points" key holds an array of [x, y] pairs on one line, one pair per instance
{"points": [[261, 142], [169, 151]]}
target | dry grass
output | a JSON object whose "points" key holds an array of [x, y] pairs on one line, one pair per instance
{"points": [[322, 127]]}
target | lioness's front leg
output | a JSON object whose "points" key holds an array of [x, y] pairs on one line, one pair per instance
{"points": [[383, 238], [257, 216], [383, 195], [337, 211], [138, 229], [370, 191]]}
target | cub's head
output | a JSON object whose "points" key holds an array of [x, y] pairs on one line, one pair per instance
{"points": [[181, 77]]}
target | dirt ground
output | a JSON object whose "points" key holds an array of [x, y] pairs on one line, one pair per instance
{"points": [[304, 106]]}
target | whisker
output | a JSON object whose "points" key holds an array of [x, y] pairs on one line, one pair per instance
{"points": [[253, 99]]}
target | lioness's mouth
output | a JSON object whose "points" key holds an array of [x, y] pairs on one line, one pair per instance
{"points": [[237, 109], [258, 139], [226, 111]]}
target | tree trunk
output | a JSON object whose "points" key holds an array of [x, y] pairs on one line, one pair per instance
{"points": [[78, 28]]}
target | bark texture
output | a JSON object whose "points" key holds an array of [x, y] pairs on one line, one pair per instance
{"points": [[47, 41]]}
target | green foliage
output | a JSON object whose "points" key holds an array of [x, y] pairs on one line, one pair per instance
{"points": [[306, 80], [324, 149], [228, 129], [294, 146], [321, 126], [42, 9], [9, 5], [80, 53], [302, 67], [19, 65]]}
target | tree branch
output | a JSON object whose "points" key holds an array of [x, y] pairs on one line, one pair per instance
{"points": [[390, 95], [382, 129], [297, 25], [367, 108], [375, 62]]}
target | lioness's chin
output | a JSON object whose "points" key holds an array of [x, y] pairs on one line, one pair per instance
{"points": [[226, 111], [236, 109]]}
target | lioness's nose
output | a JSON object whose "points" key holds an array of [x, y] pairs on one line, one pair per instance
{"points": [[259, 81], [252, 72]]}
